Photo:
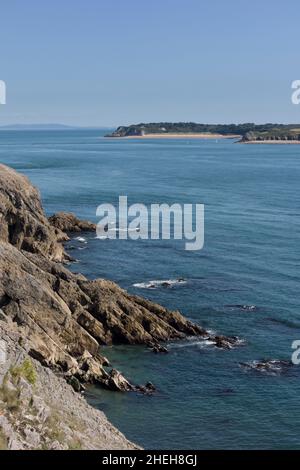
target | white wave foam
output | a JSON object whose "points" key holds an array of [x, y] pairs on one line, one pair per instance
{"points": [[159, 283], [199, 343], [124, 229], [81, 239], [243, 307]]}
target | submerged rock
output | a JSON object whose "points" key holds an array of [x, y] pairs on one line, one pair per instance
{"points": [[225, 342], [270, 366], [250, 308], [147, 389], [158, 348], [166, 284], [150, 386]]}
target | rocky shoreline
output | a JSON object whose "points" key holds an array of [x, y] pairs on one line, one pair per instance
{"points": [[59, 320]]}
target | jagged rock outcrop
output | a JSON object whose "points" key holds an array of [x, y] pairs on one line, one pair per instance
{"points": [[23, 223], [64, 317], [68, 222]]}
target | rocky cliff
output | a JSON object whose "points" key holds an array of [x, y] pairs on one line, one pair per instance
{"points": [[62, 319], [23, 223], [39, 410], [66, 317]]}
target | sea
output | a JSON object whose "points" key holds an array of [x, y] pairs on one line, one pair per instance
{"points": [[244, 282]]}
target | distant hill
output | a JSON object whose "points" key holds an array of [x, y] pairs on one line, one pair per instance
{"points": [[16, 127], [247, 131]]}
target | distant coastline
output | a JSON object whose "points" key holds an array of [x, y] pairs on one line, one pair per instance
{"points": [[272, 142], [171, 135], [245, 132]]}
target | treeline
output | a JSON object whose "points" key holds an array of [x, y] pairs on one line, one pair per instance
{"points": [[273, 134], [192, 127]]}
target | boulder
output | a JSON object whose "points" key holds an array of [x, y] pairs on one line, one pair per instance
{"points": [[117, 382], [75, 384]]}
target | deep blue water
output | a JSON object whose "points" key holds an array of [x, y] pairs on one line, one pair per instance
{"points": [[251, 193]]}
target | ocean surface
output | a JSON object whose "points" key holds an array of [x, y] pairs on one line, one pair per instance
{"points": [[244, 282]]}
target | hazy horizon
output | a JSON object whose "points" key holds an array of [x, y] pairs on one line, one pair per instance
{"points": [[107, 64], [62, 126]]}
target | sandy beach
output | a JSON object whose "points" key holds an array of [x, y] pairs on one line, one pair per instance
{"points": [[180, 136]]}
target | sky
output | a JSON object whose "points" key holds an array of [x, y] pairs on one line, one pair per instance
{"points": [[116, 62]]}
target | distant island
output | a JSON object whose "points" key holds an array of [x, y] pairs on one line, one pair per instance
{"points": [[246, 132]]}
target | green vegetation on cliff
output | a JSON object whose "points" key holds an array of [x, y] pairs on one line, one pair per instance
{"points": [[247, 131], [285, 133]]}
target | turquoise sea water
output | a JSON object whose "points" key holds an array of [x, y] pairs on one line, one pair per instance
{"points": [[205, 400]]}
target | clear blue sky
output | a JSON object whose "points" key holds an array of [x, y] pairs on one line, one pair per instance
{"points": [[105, 63]]}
